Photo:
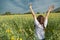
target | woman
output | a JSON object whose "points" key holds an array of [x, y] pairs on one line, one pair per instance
{"points": [[40, 23]]}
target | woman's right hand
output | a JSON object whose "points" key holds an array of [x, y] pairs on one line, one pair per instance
{"points": [[30, 6]]}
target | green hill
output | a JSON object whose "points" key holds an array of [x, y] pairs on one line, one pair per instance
{"points": [[57, 10]]}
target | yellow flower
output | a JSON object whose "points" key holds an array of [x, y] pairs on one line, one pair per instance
{"points": [[11, 16], [20, 30], [12, 38], [17, 38], [20, 38], [8, 30]]}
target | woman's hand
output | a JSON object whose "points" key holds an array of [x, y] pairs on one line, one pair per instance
{"points": [[34, 16], [51, 8], [30, 6]]}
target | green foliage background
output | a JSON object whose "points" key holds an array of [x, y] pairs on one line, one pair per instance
{"points": [[14, 27]]}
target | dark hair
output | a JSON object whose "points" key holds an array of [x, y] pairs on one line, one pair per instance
{"points": [[40, 19]]}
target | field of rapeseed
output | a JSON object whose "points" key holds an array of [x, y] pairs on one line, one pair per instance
{"points": [[21, 27]]}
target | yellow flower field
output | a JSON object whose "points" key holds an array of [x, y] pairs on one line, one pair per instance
{"points": [[21, 27]]}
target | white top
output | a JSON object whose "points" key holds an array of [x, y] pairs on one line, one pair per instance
{"points": [[40, 33]]}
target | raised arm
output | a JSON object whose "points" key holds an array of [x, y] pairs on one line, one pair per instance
{"points": [[46, 17], [49, 10], [34, 16]]}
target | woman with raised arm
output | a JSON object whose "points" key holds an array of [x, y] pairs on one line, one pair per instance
{"points": [[40, 23]]}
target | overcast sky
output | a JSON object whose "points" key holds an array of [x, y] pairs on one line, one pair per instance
{"points": [[21, 6]]}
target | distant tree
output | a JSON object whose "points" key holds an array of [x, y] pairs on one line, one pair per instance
{"points": [[7, 13], [38, 12], [28, 13]]}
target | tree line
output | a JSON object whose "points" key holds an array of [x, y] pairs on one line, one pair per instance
{"points": [[57, 10], [9, 13]]}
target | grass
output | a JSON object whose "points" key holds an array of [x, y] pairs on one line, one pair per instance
{"points": [[21, 27]]}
